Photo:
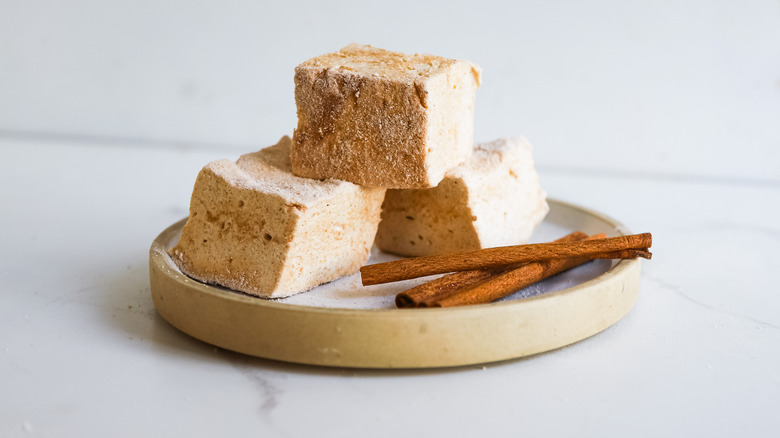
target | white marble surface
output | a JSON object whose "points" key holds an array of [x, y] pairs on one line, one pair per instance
{"points": [[663, 115], [84, 353]]}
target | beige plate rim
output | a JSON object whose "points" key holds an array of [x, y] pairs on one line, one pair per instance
{"points": [[393, 338]]}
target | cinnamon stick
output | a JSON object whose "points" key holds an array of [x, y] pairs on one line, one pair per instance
{"points": [[422, 266], [627, 254], [506, 283], [444, 286]]}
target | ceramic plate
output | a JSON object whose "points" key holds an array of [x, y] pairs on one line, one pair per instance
{"points": [[345, 324]]}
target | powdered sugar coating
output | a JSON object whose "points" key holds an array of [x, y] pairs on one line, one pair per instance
{"points": [[360, 59], [273, 163]]}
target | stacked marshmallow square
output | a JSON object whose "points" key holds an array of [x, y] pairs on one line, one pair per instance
{"points": [[383, 119], [257, 228], [493, 199]]}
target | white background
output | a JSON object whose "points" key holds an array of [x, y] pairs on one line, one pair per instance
{"points": [[680, 88], [662, 114]]}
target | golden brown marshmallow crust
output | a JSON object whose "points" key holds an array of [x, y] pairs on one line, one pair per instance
{"points": [[383, 119]]}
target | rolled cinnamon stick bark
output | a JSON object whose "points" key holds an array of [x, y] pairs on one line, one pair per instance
{"points": [[506, 283], [444, 286], [501, 256]]}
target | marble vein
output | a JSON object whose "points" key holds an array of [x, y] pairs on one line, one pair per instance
{"points": [[679, 292]]}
